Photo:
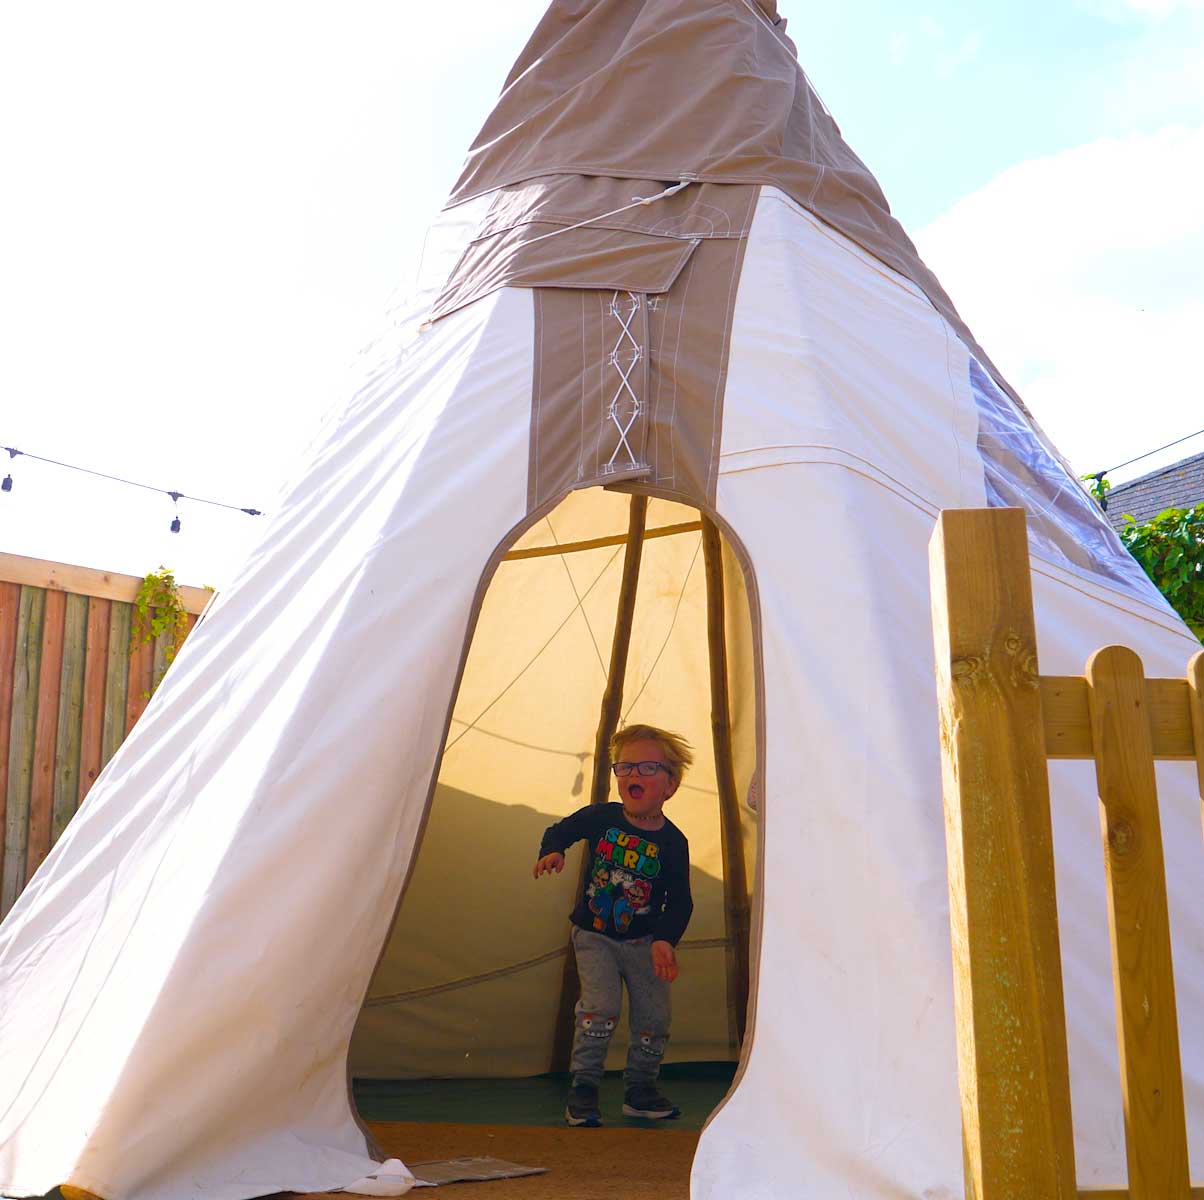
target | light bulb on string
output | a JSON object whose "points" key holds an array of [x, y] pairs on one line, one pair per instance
{"points": [[7, 485]]}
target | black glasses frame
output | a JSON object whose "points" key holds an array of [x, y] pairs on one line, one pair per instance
{"points": [[639, 769]]}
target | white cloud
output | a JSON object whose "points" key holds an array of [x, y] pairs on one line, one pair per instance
{"points": [[1123, 10], [898, 47], [928, 38], [1080, 275], [1163, 8], [1163, 81], [965, 51]]}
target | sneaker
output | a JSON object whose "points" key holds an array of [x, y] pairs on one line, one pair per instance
{"points": [[644, 1100], [582, 1108]]}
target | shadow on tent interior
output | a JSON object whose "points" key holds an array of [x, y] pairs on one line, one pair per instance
{"points": [[612, 608]]}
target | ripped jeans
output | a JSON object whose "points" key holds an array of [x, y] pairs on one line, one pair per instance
{"points": [[603, 965]]}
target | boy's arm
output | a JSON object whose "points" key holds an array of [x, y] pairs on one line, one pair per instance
{"points": [[679, 904], [558, 837]]}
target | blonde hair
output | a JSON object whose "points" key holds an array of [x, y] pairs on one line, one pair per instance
{"points": [[679, 754]]}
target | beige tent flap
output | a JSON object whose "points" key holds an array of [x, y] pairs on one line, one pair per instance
{"points": [[534, 236], [701, 210], [537, 254]]}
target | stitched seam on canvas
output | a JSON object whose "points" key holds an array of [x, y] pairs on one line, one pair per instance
{"points": [[711, 482], [533, 491]]}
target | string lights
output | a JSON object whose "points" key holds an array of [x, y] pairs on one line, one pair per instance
{"points": [[1098, 476], [7, 486]]}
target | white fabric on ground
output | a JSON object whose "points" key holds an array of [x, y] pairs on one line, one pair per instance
{"points": [[391, 1178]]}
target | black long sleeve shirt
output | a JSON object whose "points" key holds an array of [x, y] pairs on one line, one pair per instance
{"points": [[638, 883]]}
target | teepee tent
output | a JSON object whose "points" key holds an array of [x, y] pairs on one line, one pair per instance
{"points": [[662, 275]]}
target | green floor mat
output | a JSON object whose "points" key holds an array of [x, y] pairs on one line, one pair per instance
{"points": [[696, 1088]]}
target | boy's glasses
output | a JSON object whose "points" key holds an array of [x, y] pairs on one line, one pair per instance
{"points": [[623, 769]]}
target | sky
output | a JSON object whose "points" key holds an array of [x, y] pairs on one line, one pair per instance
{"points": [[207, 208]]}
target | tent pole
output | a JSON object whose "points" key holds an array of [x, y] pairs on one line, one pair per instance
{"points": [[612, 698], [735, 875], [608, 722]]}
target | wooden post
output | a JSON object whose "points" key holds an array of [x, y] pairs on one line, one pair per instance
{"points": [[735, 872], [10, 607], [71, 716], [1195, 693], [73, 1193], [1011, 1023], [608, 722], [159, 663], [26, 669], [141, 681], [41, 794], [95, 662], [117, 680], [1147, 1027]]}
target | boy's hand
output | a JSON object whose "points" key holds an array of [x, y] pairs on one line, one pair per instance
{"points": [[664, 961], [548, 864]]}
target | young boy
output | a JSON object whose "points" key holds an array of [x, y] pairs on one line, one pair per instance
{"points": [[631, 914]]}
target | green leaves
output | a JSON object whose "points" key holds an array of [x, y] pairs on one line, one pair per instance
{"points": [[1098, 485], [158, 609], [1170, 549]]}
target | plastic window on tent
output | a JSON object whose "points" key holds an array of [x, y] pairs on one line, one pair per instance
{"points": [[1064, 523]]}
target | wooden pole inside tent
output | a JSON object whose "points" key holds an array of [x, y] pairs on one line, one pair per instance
{"points": [[608, 722], [735, 875], [612, 539], [612, 698]]}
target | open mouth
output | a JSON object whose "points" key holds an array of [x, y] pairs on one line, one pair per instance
{"points": [[635, 791]]}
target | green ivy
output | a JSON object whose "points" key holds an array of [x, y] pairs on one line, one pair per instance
{"points": [[158, 609], [1171, 550], [1099, 486]]}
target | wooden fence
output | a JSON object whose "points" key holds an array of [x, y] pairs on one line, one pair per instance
{"points": [[1000, 721], [70, 691]]}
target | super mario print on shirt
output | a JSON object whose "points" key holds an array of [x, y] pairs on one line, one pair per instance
{"points": [[638, 884], [620, 885]]}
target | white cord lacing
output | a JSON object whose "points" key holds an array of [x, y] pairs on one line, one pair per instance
{"points": [[625, 397], [636, 202]]}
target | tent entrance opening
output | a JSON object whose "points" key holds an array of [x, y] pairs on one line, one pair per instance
{"points": [[610, 610]]}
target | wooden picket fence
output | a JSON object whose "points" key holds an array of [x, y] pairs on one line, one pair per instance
{"points": [[1000, 721], [70, 691]]}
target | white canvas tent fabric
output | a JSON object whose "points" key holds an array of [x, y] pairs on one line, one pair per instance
{"points": [[183, 981]]}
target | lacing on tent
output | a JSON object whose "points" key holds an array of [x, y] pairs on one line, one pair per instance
{"points": [[625, 406], [636, 202]]}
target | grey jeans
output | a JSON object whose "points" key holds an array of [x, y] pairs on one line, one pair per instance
{"points": [[603, 965]]}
